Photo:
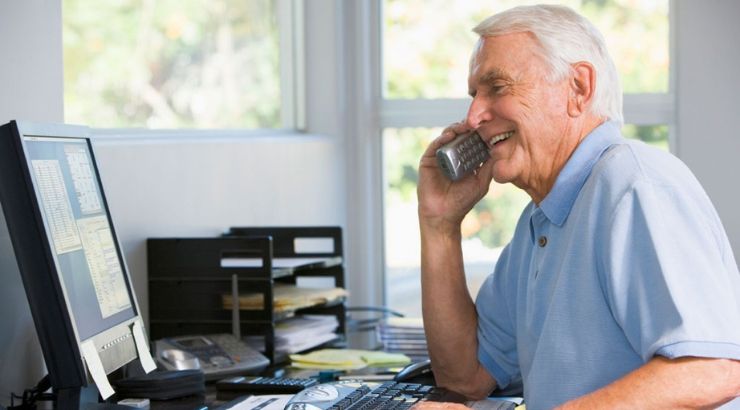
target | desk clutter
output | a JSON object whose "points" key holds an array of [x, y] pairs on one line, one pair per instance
{"points": [[404, 335], [347, 359], [351, 395], [282, 277], [368, 395], [299, 333], [163, 385], [231, 388], [272, 289], [287, 298]]}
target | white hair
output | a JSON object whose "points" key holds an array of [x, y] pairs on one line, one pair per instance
{"points": [[565, 37]]}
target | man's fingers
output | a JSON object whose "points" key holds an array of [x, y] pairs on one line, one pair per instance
{"points": [[449, 134], [460, 127]]}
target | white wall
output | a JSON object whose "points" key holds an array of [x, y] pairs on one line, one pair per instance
{"points": [[30, 88], [186, 187], [31, 69], [708, 102]]}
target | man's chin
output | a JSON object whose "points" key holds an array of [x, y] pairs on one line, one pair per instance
{"points": [[501, 176]]}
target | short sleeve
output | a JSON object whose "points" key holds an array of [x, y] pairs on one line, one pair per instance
{"points": [[496, 331], [670, 282]]}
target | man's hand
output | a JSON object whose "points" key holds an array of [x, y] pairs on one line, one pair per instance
{"points": [[443, 203]]}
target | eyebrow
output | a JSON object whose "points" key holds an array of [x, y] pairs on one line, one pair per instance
{"points": [[491, 76]]}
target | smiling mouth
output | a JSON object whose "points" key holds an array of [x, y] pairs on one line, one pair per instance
{"points": [[500, 137]]}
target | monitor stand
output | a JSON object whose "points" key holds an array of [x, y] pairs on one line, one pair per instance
{"points": [[82, 398], [67, 398]]}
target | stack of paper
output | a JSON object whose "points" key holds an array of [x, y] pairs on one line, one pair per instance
{"points": [[288, 298], [403, 335], [299, 333], [347, 359]]}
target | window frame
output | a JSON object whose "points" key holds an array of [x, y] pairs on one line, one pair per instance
{"points": [[639, 109]]}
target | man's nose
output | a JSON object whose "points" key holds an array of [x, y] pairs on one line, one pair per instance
{"points": [[478, 114]]}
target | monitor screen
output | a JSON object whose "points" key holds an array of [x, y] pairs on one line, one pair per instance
{"points": [[79, 229], [78, 289]]}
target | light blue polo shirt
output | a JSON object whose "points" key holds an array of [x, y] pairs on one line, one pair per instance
{"points": [[624, 259]]}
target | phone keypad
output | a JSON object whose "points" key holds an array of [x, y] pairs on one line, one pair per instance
{"points": [[462, 156], [236, 349], [212, 356], [473, 152]]}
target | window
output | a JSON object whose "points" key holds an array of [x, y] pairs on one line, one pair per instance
{"points": [[424, 88], [173, 64]]}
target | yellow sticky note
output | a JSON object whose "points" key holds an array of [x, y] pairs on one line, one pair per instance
{"points": [[329, 358], [346, 359], [373, 358]]}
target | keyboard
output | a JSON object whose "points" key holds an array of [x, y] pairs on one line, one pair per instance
{"points": [[360, 395]]}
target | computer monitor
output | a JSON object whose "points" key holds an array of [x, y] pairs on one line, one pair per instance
{"points": [[69, 258]]}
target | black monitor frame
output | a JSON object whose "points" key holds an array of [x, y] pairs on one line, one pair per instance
{"points": [[41, 276]]}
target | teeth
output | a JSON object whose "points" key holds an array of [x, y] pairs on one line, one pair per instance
{"points": [[501, 137]]}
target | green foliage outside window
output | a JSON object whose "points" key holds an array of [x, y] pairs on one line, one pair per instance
{"points": [[171, 64], [656, 135], [427, 43], [492, 220]]}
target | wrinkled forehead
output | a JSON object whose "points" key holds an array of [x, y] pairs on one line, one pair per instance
{"points": [[507, 52]]}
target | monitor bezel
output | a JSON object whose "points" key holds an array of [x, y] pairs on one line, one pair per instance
{"points": [[55, 323]]}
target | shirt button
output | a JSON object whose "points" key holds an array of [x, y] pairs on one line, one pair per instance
{"points": [[542, 241]]}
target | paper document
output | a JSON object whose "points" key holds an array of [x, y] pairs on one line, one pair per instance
{"points": [[299, 333], [403, 335], [142, 348], [282, 263], [346, 359], [379, 359], [95, 367], [288, 298]]}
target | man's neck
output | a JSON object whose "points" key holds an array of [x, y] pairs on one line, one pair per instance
{"points": [[574, 134]]}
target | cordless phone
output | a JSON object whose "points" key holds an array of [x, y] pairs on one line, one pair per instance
{"points": [[217, 355], [463, 155]]}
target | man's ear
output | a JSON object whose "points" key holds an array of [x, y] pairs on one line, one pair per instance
{"points": [[582, 84]]}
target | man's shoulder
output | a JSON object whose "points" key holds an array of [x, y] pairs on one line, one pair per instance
{"points": [[632, 162], [633, 165]]}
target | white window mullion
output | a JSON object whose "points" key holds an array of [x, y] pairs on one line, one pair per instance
{"points": [[648, 109], [292, 63], [422, 113], [639, 109]]}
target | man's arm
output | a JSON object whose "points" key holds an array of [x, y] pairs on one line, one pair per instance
{"points": [[450, 318], [684, 383]]}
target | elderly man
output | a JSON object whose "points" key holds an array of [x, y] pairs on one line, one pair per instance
{"points": [[619, 288]]}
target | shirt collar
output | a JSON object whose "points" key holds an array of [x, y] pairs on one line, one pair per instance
{"points": [[558, 203]]}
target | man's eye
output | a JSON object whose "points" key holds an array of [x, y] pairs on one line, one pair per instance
{"points": [[498, 89]]}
